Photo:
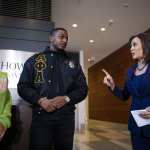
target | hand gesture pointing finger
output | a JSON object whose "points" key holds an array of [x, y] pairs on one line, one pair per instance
{"points": [[108, 80]]}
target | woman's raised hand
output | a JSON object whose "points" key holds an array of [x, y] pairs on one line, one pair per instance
{"points": [[108, 80]]}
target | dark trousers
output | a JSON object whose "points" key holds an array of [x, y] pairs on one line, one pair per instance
{"points": [[140, 142], [54, 133]]}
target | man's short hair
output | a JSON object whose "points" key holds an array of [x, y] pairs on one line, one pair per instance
{"points": [[53, 31]]}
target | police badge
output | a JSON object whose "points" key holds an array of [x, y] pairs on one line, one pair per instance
{"points": [[71, 64]]}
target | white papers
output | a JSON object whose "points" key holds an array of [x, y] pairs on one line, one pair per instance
{"points": [[139, 120]]}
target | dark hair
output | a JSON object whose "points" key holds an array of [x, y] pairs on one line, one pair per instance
{"points": [[53, 31], [145, 41]]}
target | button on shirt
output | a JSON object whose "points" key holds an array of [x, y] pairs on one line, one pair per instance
{"points": [[53, 74]]}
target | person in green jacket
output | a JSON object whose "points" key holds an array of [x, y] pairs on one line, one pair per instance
{"points": [[5, 105]]}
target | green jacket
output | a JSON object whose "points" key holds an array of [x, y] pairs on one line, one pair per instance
{"points": [[5, 104]]}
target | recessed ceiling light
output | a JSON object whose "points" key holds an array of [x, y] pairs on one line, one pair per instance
{"points": [[91, 59], [103, 29], [74, 25], [91, 41]]}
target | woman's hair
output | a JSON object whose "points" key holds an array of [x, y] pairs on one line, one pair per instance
{"points": [[145, 41]]}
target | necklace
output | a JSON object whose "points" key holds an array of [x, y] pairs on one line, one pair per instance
{"points": [[141, 68]]}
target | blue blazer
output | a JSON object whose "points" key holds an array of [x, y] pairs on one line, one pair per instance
{"points": [[138, 87]]}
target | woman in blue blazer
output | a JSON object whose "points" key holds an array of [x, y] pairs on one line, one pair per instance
{"points": [[137, 85]]}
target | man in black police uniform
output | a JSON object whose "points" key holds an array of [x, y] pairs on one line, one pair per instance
{"points": [[53, 83]]}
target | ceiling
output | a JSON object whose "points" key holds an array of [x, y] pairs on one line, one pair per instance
{"points": [[130, 17]]}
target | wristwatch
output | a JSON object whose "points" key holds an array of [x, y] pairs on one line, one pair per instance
{"points": [[67, 99]]}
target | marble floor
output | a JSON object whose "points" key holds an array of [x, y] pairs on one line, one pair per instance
{"points": [[101, 135]]}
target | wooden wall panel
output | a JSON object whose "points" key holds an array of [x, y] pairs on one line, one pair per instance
{"points": [[102, 104]]}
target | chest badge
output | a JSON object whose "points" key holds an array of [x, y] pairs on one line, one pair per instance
{"points": [[71, 64], [39, 66]]}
